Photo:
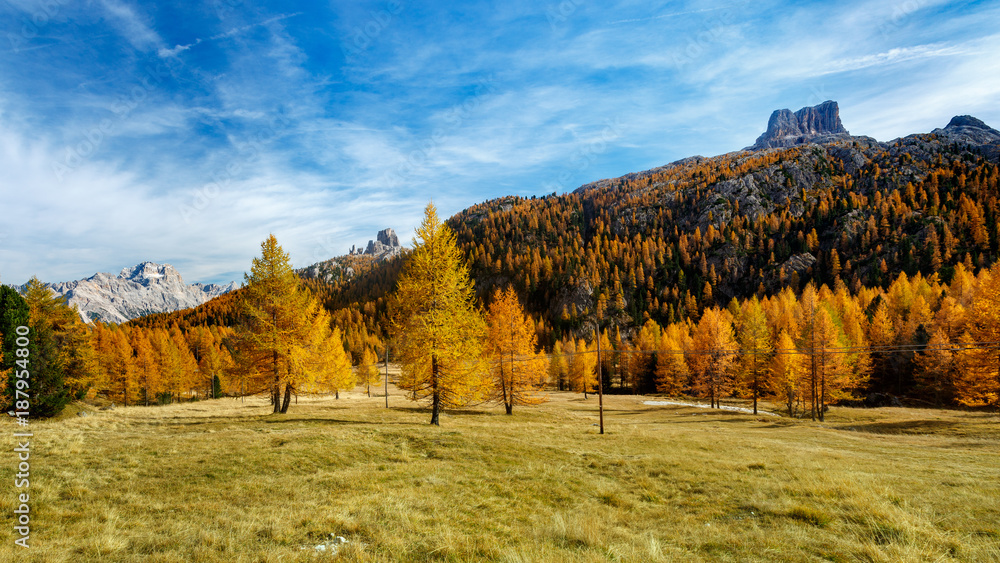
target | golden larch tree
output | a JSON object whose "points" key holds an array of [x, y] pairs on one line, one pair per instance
{"points": [[755, 342], [978, 380], [321, 363], [147, 371], [439, 328], [583, 368], [713, 354], [368, 372], [935, 368], [558, 365], [787, 372], [672, 372], [516, 370], [283, 332]]}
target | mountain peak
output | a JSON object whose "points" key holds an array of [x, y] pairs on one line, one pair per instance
{"points": [[786, 129], [149, 270], [966, 121], [968, 129]]}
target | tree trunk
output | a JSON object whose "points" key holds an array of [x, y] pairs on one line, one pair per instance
{"points": [[509, 407], [436, 405], [288, 398], [276, 390], [503, 388], [822, 391]]}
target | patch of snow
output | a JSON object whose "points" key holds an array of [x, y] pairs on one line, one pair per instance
{"points": [[701, 406]]}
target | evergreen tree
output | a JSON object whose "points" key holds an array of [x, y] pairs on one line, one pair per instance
{"points": [[14, 313], [51, 321]]}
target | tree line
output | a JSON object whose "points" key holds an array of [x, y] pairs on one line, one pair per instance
{"points": [[919, 336]]}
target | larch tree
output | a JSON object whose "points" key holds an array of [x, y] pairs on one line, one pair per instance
{"points": [[516, 370], [583, 368], [320, 362], [787, 371], [672, 371], [935, 368], [439, 328], [116, 359], [558, 365], [147, 372], [277, 333], [168, 358], [832, 378], [713, 353], [755, 340], [368, 372], [978, 381]]}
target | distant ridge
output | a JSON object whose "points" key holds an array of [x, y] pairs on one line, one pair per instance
{"points": [[136, 291]]}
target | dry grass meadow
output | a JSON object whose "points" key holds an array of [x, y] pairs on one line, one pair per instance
{"points": [[226, 480]]}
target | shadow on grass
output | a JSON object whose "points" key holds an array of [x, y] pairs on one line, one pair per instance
{"points": [[426, 411], [336, 421], [916, 427]]}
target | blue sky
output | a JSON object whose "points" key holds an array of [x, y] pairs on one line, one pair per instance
{"points": [[134, 131]]}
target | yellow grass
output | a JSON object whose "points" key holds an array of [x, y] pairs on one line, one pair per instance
{"points": [[225, 480]]}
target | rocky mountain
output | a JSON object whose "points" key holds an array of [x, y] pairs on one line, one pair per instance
{"points": [[385, 247], [811, 203], [136, 291], [819, 123], [968, 130]]}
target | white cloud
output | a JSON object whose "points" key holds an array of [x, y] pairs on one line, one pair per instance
{"points": [[133, 26]]}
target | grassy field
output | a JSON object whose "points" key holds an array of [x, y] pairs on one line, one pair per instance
{"points": [[226, 480]]}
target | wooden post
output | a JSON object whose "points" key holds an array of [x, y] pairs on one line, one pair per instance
{"points": [[600, 379]]}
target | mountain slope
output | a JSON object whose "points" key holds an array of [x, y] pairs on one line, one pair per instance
{"points": [[667, 242]]}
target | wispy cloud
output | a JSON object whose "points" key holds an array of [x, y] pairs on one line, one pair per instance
{"points": [[894, 56], [172, 52]]}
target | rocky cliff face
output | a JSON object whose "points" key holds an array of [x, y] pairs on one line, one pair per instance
{"points": [[811, 124], [136, 291], [385, 247]]}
